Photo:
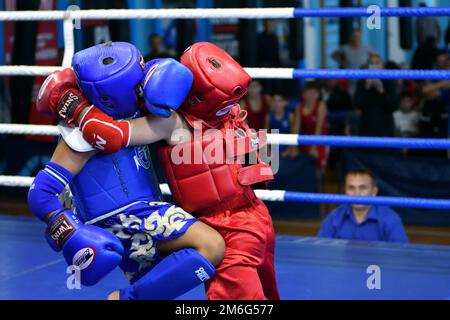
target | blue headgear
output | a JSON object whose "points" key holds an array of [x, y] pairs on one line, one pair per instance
{"points": [[109, 75]]}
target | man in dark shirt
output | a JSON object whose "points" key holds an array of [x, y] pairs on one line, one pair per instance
{"points": [[269, 55], [339, 105], [374, 97], [425, 55], [268, 46]]}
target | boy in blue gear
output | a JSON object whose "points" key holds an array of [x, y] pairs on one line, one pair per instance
{"points": [[120, 218]]}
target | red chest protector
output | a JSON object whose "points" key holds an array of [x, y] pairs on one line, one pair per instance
{"points": [[209, 171]]}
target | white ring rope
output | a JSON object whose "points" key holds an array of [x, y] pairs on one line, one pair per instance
{"points": [[270, 73], [49, 130], [256, 73], [270, 195], [36, 129], [15, 181], [28, 70], [288, 139], [18, 181], [115, 14]]}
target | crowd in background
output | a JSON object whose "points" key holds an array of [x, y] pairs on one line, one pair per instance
{"points": [[366, 107]]}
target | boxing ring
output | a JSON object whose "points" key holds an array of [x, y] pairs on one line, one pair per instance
{"points": [[307, 268]]}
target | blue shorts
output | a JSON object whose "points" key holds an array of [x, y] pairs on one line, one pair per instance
{"points": [[140, 227]]}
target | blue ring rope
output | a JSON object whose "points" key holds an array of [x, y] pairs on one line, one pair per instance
{"points": [[292, 196], [364, 12], [371, 74], [374, 142]]}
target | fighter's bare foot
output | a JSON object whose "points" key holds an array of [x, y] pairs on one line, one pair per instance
{"points": [[114, 295]]}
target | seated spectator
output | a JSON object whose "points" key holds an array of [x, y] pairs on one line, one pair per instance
{"points": [[335, 97], [442, 60], [257, 105], [363, 222], [280, 119], [311, 118], [406, 119], [374, 98], [157, 49], [353, 55], [339, 104]]}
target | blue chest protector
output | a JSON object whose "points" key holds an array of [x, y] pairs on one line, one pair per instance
{"points": [[111, 182]]}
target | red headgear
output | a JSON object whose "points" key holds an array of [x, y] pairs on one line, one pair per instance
{"points": [[219, 81]]}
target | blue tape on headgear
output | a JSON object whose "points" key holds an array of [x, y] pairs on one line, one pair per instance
{"points": [[109, 75]]}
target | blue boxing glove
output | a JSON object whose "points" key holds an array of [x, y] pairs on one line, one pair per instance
{"points": [[94, 250], [166, 85]]}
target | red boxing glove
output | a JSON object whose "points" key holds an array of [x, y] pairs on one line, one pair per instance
{"points": [[59, 97], [103, 132]]}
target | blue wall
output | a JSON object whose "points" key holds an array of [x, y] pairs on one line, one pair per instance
{"points": [[205, 29], [140, 29]]}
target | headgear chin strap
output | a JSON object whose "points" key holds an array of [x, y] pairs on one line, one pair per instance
{"points": [[109, 75], [219, 81]]}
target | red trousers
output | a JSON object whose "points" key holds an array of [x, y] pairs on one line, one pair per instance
{"points": [[247, 271]]}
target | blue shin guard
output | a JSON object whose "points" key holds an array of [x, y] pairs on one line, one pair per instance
{"points": [[176, 274]]}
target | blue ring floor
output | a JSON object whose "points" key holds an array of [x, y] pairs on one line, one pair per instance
{"points": [[307, 268]]}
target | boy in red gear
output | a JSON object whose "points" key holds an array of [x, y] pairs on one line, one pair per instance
{"points": [[217, 186]]}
